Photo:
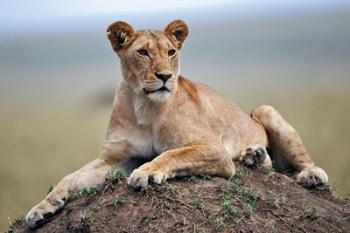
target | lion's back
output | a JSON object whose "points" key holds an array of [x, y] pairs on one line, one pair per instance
{"points": [[229, 120]]}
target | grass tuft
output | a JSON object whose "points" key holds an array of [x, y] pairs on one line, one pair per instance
{"points": [[241, 171], [220, 223], [168, 188], [11, 230], [247, 209], [273, 203], [198, 204], [148, 218], [18, 219], [115, 175], [312, 212], [118, 200], [268, 169], [50, 188], [197, 178], [202, 230], [232, 189], [90, 192], [230, 210], [248, 196]]}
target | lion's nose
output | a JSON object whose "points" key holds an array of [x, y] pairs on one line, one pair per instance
{"points": [[163, 77]]}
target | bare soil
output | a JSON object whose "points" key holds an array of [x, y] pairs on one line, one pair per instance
{"points": [[256, 200]]}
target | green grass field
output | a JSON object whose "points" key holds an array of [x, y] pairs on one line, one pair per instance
{"points": [[42, 143]]}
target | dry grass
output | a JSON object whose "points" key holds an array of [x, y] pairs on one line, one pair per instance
{"points": [[41, 145]]}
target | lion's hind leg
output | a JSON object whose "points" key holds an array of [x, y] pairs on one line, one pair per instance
{"points": [[287, 147]]}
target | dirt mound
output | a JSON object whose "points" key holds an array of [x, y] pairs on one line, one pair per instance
{"points": [[254, 201]]}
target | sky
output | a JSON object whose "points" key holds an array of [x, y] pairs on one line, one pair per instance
{"points": [[18, 14], [23, 10], [46, 8]]}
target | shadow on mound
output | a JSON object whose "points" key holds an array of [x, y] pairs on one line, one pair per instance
{"points": [[253, 201]]}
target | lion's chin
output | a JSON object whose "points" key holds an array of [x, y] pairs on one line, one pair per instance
{"points": [[159, 96]]}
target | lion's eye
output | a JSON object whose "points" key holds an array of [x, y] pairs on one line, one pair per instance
{"points": [[143, 52], [171, 52]]}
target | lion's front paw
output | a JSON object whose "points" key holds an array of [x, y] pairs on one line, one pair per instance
{"points": [[140, 178], [312, 177], [42, 212], [256, 155]]}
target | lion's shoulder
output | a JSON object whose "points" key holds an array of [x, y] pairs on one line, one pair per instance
{"points": [[189, 88]]}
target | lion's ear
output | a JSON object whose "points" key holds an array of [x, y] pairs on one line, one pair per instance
{"points": [[120, 34], [177, 32]]}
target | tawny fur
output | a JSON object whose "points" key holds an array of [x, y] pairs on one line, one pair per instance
{"points": [[180, 126]]}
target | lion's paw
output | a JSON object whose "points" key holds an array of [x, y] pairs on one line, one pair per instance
{"points": [[256, 155], [312, 177], [42, 212], [139, 179]]}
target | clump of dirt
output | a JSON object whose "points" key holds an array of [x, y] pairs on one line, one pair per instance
{"points": [[253, 201]]}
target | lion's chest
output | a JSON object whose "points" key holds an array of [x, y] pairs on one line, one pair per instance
{"points": [[156, 139], [162, 139]]}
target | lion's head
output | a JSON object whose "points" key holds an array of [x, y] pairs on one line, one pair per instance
{"points": [[149, 58]]}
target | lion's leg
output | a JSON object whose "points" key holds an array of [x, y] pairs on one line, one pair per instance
{"points": [[90, 175], [286, 145], [192, 159]]}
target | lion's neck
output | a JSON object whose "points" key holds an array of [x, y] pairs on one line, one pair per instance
{"points": [[147, 110]]}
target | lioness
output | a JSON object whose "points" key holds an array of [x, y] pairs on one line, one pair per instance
{"points": [[181, 127]]}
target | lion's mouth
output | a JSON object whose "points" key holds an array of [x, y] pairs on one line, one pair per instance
{"points": [[163, 88]]}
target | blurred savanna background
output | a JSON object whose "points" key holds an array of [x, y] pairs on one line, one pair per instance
{"points": [[58, 74]]}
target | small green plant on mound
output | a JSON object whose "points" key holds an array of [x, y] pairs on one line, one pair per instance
{"points": [[269, 178], [148, 219], [50, 188], [87, 215], [202, 230], [198, 204], [230, 192], [268, 168], [249, 198], [90, 192], [118, 200], [230, 210], [247, 210], [246, 197], [115, 176], [220, 223], [18, 219], [168, 188], [165, 189], [312, 212], [192, 178], [241, 171], [86, 219], [197, 178], [273, 203], [232, 189]]}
